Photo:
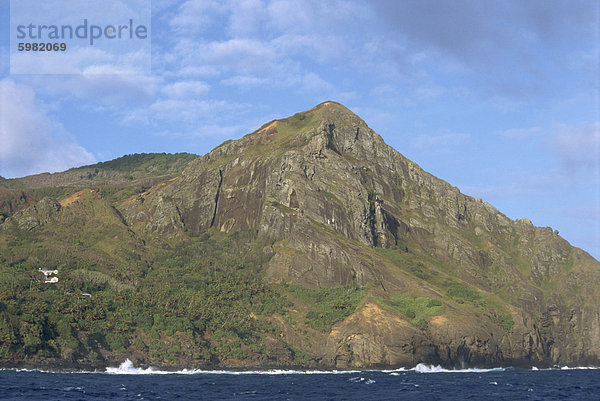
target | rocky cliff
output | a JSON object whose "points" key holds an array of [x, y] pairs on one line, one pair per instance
{"points": [[444, 278], [343, 208]]}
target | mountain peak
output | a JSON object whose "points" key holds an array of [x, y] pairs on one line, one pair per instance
{"points": [[330, 105], [333, 111], [328, 110], [328, 125]]}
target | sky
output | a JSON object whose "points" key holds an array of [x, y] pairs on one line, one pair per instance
{"points": [[499, 98]]}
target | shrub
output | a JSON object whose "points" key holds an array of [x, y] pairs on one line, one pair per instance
{"points": [[461, 293], [416, 310], [327, 305], [506, 321]]}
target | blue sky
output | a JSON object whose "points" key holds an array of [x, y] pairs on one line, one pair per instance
{"points": [[499, 98]]}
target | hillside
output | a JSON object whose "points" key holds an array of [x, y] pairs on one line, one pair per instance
{"points": [[309, 242], [115, 179]]}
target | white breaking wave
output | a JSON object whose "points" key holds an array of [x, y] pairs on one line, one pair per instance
{"points": [[361, 380], [393, 372], [127, 368], [422, 368], [534, 368], [29, 370], [579, 368]]}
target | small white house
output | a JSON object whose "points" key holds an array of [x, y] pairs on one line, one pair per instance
{"points": [[48, 273]]}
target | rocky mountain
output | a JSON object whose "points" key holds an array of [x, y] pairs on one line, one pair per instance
{"points": [[309, 242]]}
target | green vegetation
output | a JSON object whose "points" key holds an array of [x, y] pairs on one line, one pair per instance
{"points": [[115, 179], [331, 197], [461, 293], [283, 208], [506, 321], [416, 310], [223, 143], [205, 296], [327, 305], [157, 163], [128, 167], [487, 304]]}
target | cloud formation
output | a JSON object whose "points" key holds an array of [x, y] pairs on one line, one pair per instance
{"points": [[504, 45], [443, 141], [579, 147], [31, 140]]}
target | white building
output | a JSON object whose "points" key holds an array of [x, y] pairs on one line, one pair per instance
{"points": [[48, 273]]}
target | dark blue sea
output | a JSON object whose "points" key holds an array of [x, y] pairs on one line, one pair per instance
{"points": [[422, 383]]}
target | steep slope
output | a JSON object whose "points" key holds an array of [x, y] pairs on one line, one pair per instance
{"points": [[309, 242]]}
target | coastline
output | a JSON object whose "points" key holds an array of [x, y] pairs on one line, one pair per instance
{"points": [[128, 367]]}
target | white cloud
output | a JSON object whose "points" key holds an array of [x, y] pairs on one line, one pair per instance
{"points": [[579, 147], [247, 17], [195, 16], [186, 89], [240, 54], [315, 16], [104, 91], [441, 141], [312, 82], [187, 113], [429, 92], [519, 184], [323, 48], [244, 81], [232, 56], [517, 133], [31, 141], [511, 49]]}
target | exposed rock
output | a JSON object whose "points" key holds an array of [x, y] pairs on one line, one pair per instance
{"points": [[374, 337], [36, 215]]}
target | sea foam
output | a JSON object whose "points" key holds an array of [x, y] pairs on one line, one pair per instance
{"points": [[422, 368], [127, 368]]}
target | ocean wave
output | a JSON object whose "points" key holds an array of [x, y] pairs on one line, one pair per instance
{"points": [[29, 370], [361, 380], [127, 368], [534, 368], [579, 368], [422, 368]]}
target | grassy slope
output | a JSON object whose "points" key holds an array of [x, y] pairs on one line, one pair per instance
{"points": [[115, 179]]}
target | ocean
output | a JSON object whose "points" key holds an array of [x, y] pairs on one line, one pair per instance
{"points": [[421, 383]]}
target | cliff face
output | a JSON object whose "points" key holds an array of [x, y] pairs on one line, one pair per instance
{"points": [[445, 278], [343, 208]]}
